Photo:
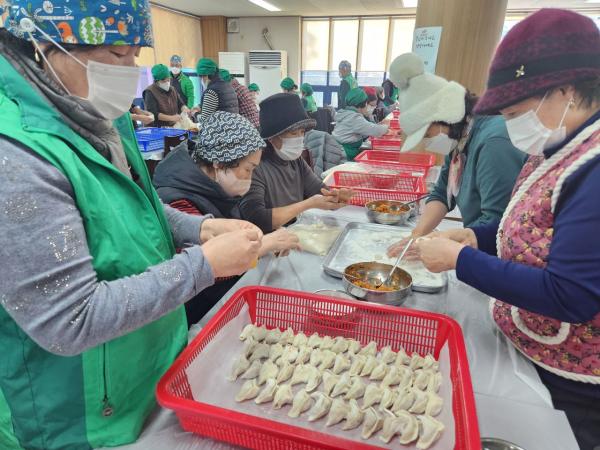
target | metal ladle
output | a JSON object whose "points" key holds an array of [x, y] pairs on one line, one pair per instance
{"points": [[387, 279]]}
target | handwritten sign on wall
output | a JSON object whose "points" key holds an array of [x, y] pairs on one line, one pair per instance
{"points": [[426, 42]]}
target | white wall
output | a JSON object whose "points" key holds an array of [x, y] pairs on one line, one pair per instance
{"points": [[285, 35]]}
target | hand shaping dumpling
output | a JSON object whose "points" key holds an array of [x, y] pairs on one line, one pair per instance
{"points": [[268, 370], [252, 371], [304, 353], [434, 404], [369, 349], [314, 340], [430, 431], [373, 394], [356, 390], [341, 364], [388, 356], [337, 412], [373, 423], [369, 365], [248, 391], [406, 398], [261, 351], [268, 392], [410, 429], [273, 336], [299, 340], [342, 386], [379, 372], [402, 359], [240, 365], [302, 402], [321, 406], [358, 363], [340, 345], [420, 403], [285, 372], [327, 360], [283, 396], [354, 417], [275, 351]]}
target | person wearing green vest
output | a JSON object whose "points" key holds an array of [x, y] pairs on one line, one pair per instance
{"points": [[352, 124], [91, 303], [255, 91], [308, 101], [288, 85], [182, 84], [347, 83]]}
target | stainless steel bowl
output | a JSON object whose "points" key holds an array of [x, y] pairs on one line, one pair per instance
{"points": [[498, 444], [399, 217], [371, 272]]}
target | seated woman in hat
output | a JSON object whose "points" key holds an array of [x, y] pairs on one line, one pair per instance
{"points": [[353, 124], [541, 261], [283, 185], [481, 164], [162, 100], [212, 180]]}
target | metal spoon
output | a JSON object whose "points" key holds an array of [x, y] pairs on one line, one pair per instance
{"points": [[387, 279]]}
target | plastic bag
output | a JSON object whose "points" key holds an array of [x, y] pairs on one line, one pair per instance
{"points": [[316, 237]]}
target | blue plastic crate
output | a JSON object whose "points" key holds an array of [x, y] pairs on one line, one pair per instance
{"points": [[152, 139]]}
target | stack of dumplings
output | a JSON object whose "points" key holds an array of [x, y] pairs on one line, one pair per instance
{"points": [[389, 394]]}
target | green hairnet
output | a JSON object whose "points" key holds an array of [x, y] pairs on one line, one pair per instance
{"points": [[225, 75], [253, 87], [160, 72], [355, 97], [288, 84], [306, 89], [206, 66]]}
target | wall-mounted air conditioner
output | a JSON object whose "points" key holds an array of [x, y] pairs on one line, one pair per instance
{"points": [[267, 68]]}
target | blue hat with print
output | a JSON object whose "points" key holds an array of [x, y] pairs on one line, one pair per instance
{"points": [[84, 22]]}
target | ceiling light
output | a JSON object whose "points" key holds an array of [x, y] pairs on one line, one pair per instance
{"points": [[266, 5], [413, 3]]}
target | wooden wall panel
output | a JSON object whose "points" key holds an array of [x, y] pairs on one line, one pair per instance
{"points": [[214, 36]]}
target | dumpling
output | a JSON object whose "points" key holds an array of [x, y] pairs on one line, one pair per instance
{"points": [[379, 372], [373, 395], [327, 360], [388, 356], [252, 371], [315, 357], [369, 349], [249, 345], [304, 353], [268, 392], [354, 417], [416, 361], [259, 333], [314, 379], [435, 382], [301, 374], [341, 364], [314, 340], [329, 381], [410, 429], [273, 336], [326, 343], [283, 396], [406, 398], [248, 391], [290, 353], [285, 372], [420, 403], [357, 389], [299, 340], [268, 370], [430, 430], [287, 337], [358, 363], [393, 377], [353, 346], [240, 365], [387, 399], [392, 426], [434, 404], [261, 351], [402, 359], [247, 332], [302, 402], [275, 352], [429, 362], [407, 377], [337, 412], [372, 423], [369, 365], [342, 386], [340, 345], [421, 379], [321, 406]]}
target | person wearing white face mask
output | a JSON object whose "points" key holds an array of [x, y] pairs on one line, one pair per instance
{"points": [[180, 81], [212, 180], [92, 290], [283, 185], [162, 99], [480, 162]]}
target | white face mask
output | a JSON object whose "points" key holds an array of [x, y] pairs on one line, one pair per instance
{"points": [[164, 85], [231, 184], [370, 109], [291, 148], [111, 89], [528, 133], [441, 144], [175, 70]]}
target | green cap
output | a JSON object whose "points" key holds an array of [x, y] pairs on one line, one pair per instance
{"points": [[160, 72], [288, 84], [225, 75], [253, 87], [306, 89], [355, 97], [206, 66]]}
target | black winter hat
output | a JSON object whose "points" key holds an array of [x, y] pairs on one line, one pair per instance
{"points": [[281, 113]]}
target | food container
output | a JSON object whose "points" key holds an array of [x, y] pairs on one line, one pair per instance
{"points": [[374, 272], [498, 444], [398, 215]]}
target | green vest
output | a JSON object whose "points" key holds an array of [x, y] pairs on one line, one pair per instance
{"points": [[102, 396], [393, 97], [311, 104], [351, 81]]}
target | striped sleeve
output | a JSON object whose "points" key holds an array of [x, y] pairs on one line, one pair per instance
{"points": [[210, 104]]}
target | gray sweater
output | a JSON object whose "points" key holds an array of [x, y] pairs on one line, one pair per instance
{"points": [[325, 151], [351, 126], [47, 282]]}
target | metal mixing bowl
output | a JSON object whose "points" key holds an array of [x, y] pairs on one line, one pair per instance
{"points": [[498, 444], [399, 217], [371, 272]]}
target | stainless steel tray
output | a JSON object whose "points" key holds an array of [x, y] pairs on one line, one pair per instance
{"points": [[330, 269]]}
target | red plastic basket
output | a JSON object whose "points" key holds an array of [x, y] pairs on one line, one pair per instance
{"points": [[394, 124], [414, 330], [396, 159], [369, 186], [387, 142]]}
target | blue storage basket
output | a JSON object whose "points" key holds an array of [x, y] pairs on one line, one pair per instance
{"points": [[152, 139]]}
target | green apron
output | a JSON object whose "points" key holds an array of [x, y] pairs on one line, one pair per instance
{"points": [[352, 149]]}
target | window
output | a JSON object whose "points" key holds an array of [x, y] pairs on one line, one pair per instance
{"points": [[402, 37], [344, 43], [374, 45], [315, 44]]}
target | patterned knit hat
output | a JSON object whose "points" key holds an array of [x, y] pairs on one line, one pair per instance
{"points": [[81, 22], [549, 48], [227, 137]]}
